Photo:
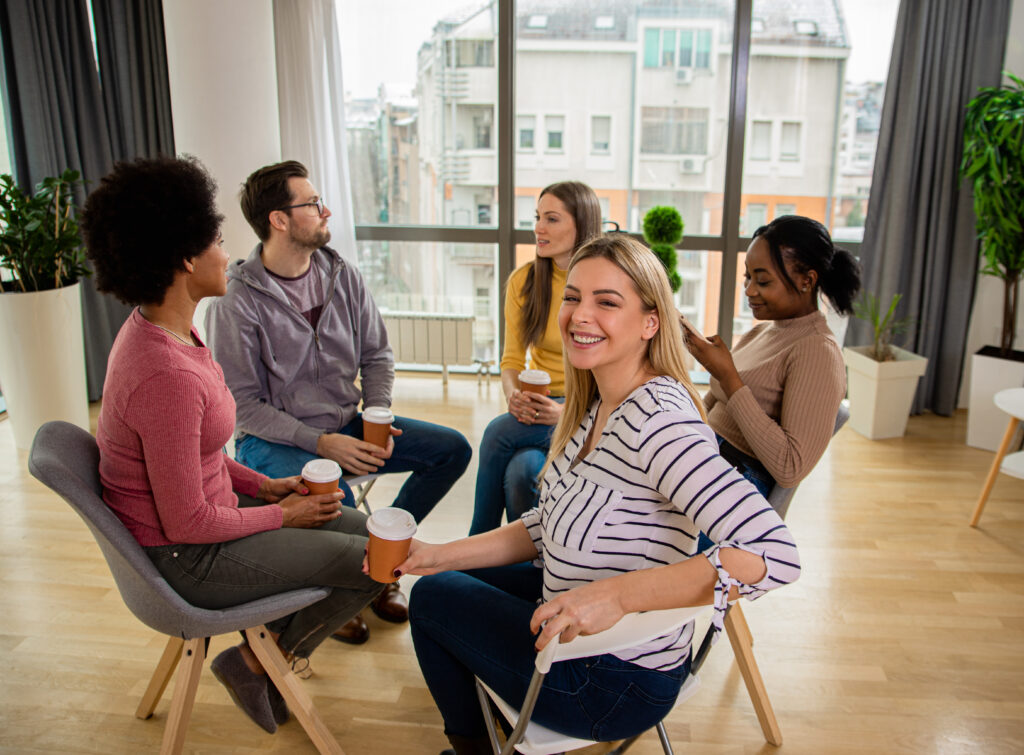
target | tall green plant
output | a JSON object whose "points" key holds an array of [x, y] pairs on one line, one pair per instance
{"points": [[885, 326], [993, 161], [40, 244], [663, 229]]}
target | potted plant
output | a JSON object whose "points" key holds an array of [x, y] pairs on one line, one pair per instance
{"points": [[42, 370], [881, 378], [663, 229], [993, 163]]}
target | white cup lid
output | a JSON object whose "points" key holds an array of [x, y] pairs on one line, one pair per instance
{"points": [[535, 377], [391, 524], [321, 470], [379, 415]]}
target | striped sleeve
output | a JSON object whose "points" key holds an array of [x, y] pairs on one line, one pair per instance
{"points": [[683, 464]]}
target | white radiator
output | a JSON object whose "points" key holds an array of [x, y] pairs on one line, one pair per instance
{"points": [[430, 338]]}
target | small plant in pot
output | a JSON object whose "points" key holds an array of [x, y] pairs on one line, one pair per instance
{"points": [[881, 378], [663, 229], [884, 327], [40, 245], [41, 261]]}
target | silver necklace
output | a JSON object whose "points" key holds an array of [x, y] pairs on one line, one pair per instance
{"points": [[168, 330]]}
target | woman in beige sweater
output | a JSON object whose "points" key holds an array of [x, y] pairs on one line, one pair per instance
{"points": [[774, 398]]}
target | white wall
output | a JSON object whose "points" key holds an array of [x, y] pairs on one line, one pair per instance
{"points": [[220, 60], [987, 316]]}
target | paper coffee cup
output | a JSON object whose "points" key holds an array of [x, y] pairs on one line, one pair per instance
{"points": [[377, 425], [391, 532], [321, 476], [536, 381]]}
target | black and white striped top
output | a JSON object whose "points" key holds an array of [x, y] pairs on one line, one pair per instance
{"points": [[638, 500]]}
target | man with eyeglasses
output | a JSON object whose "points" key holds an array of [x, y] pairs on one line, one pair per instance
{"points": [[294, 332]]}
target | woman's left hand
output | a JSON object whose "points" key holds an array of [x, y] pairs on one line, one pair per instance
{"points": [[538, 410], [274, 491], [587, 609]]}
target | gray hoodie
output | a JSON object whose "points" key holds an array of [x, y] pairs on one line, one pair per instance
{"points": [[292, 383]]}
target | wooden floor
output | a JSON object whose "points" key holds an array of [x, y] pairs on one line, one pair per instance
{"points": [[904, 635]]}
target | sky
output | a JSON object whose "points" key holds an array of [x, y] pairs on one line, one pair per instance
{"points": [[399, 27]]}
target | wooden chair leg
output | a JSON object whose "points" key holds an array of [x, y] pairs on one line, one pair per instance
{"points": [[299, 701], [161, 676], [990, 481], [194, 653], [740, 638]]}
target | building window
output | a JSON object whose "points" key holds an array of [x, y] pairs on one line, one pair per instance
{"points": [[483, 214], [668, 47], [652, 44], [674, 130], [554, 125], [685, 48], [789, 148], [526, 125], [526, 207], [600, 134], [761, 140], [482, 131], [703, 49], [757, 216], [474, 53], [785, 209]]}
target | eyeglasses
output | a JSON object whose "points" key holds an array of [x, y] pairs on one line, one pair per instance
{"points": [[318, 204]]}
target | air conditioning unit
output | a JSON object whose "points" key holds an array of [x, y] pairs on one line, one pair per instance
{"points": [[684, 76], [691, 165]]}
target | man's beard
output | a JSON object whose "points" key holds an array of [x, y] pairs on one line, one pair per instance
{"points": [[313, 239]]}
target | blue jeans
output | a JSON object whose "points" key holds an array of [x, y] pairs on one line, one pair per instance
{"points": [[437, 456], [477, 623], [511, 456]]}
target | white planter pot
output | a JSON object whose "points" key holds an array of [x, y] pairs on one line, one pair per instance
{"points": [[990, 373], [881, 393], [42, 360]]}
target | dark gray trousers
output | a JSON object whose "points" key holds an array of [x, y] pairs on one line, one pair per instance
{"points": [[219, 575]]}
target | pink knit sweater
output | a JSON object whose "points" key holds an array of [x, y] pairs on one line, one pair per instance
{"points": [[166, 416]]}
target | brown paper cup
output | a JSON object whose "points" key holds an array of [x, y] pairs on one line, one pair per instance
{"points": [[535, 381], [321, 476], [384, 556], [377, 425], [391, 532]]}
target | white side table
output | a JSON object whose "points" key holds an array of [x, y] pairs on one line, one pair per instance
{"points": [[1010, 401]]}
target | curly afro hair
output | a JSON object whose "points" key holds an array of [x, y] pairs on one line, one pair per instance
{"points": [[144, 220]]}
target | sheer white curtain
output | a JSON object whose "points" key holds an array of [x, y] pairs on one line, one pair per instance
{"points": [[311, 103]]}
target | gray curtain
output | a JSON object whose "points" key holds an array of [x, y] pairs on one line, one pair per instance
{"points": [[919, 237], [61, 115]]}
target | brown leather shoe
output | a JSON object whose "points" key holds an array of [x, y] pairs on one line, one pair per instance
{"points": [[391, 604], [354, 631]]}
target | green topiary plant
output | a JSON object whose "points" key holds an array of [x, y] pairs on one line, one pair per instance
{"points": [[39, 240], [993, 161], [663, 229]]}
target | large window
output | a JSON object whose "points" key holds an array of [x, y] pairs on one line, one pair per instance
{"points": [[632, 99]]}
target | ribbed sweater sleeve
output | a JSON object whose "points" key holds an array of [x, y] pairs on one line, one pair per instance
{"points": [[192, 495], [785, 413]]}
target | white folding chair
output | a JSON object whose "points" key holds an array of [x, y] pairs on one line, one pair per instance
{"points": [[633, 629], [361, 486]]}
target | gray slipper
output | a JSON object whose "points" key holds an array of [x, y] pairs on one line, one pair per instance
{"points": [[277, 704], [248, 690]]}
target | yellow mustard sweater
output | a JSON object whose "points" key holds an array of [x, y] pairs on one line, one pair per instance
{"points": [[546, 355]]}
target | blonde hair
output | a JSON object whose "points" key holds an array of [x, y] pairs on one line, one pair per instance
{"points": [[666, 352]]}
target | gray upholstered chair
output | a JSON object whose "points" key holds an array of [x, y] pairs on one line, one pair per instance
{"points": [[65, 458], [740, 637]]}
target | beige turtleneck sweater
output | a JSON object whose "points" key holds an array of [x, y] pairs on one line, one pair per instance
{"points": [[793, 380]]}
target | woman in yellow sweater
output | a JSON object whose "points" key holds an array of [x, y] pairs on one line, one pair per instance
{"points": [[515, 444]]}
